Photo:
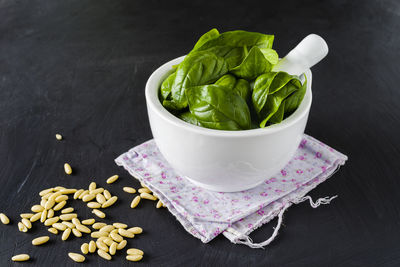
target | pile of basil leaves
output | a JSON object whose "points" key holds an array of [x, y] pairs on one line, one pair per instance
{"points": [[226, 83]]}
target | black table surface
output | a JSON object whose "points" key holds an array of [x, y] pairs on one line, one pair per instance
{"points": [[79, 68]]}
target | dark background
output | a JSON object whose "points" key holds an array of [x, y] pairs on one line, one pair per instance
{"points": [[79, 68]]}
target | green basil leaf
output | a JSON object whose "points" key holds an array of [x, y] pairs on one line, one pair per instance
{"points": [[278, 116], [294, 100], [167, 85], [280, 80], [190, 118], [198, 68], [242, 88], [227, 80], [218, 107], [212, 34], [232, 45], [261, 90], [274, 101], [253, 65], [271, 55]]}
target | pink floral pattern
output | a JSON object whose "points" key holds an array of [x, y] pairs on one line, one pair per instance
{"points": [[206, 214]]}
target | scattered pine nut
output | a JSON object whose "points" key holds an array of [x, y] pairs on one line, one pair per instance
{"points": [[67, 210], [85, 248], [113, 248], [97, 191], [44, 216], [100, 198], [67, 168], [20, 257], [51, 221], [125, 233], [99, 213], [148, 196], [116, 237], [26, 215], [40, 240], [107, 194], [109, 202], [143, 185], [84, 193], [94, 205], [59, 137], [134, 257], [22, 227], [98, 225], [83, 228], [101, 246], [50, 213], [66, 191], [98, 234], [104, 254], [159, 204], [134, 251], [144, 190], [43, 202], [69, 224], [53, 230], [135, 202], [129, 190], [58, 188], [88, 221], [27, 223], [37, 208], [112, 179], [76, 257], [68, 216], [49, 204], [88, 197], [60, 205], [107, 228], [135, 230], [92, 246], [120, 225], [76, 232], [36, 217], [66, 234], [78, 193], [61, 198], [45, 192], [4, 219], [122, 244], [115, 231], [59, 226], [108, 241], [75, 221], [92, 186]]}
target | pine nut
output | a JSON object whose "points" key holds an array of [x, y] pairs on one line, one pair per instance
{"points": [[83, 228], [159, 204], [20, 257], [78, 193], [61, 198], [44, 216], [37, 208], [4, 219], [59, 226], [76, 257], [67, 168], [148, 196], [60, 205], [67, 210], [134, 257], [76, 232], [135, 202], [126, 233], [98, 225], [85, 248], [75, 221], [107, 194], [84, 193], [40, 240], [88, 197], [55, 195], [45, 192], [109, 202], [88, 221], [99, 213], [107, 228], [143, 185], [43, 202], [69, 224], [100, 245], [107, 240], [116, 237], [122, 244], [92, 246], [26, 215], [58, 136], [50, 213], [67, 191], [92, 186], [135, 230], [115, 231], [27, 223], [144, 190], [66, 234], [120, 225], [36, 217], [47, 195], [53, 230], [49, 204], [58, 188], [98, 234], [94, 205], [104, 254], [22, 227], [97, 191], [129, 190], [68, 216], [134, 251], [100, 198], [112, 179], [113, 248], [51, 221]]}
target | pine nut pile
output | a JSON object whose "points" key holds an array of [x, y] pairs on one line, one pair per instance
{"points": [[53, 212]]}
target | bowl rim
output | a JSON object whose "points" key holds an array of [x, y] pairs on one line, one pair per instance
{"points": [[151, 93]]}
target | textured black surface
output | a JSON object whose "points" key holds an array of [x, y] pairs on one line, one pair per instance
{"points": [[79, 68]]}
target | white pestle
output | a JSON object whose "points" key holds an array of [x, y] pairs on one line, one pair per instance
{"points": [[311, 50]]}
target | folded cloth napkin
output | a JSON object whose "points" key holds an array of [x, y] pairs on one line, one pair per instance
{"points": [[206, 214]]}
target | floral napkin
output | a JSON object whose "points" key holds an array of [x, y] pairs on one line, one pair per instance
{"points": [[206, 214]]}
